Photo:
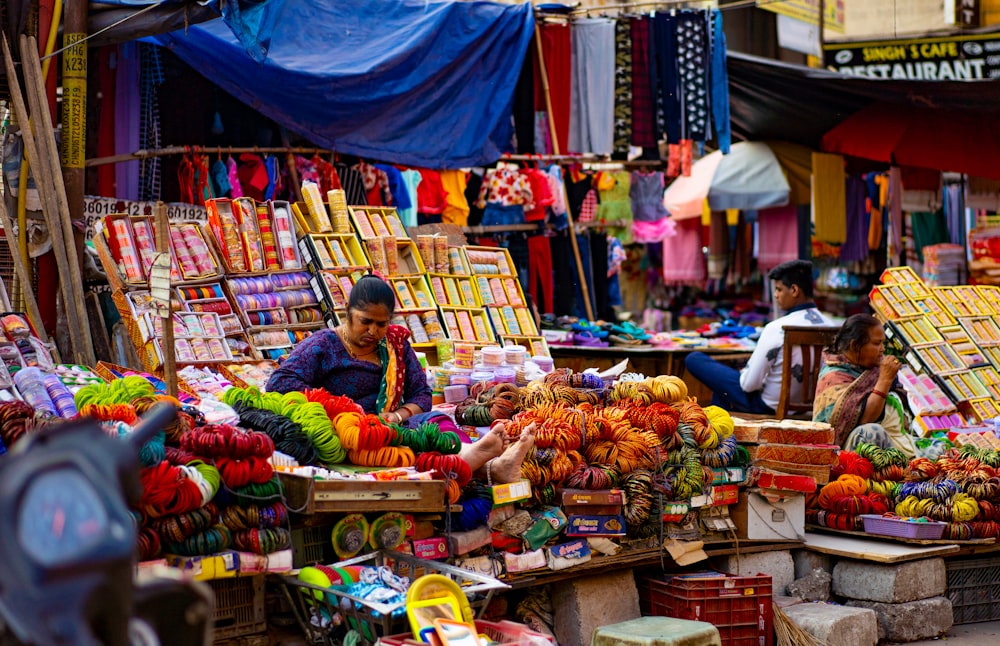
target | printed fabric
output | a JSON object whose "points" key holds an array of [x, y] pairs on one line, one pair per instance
{"points": [[506, 187], [623, 87], [692, 68]]}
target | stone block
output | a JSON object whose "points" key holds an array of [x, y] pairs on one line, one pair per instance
{"points": [[778, 564], [585, 604], [813, 587], [897, 583], [838, 625], [911, 621], [806, 561]]}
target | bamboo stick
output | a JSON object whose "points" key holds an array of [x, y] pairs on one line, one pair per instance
{"points": [[42, 179], [584, 289], [33, 68], [21, 269], [162, 225]]}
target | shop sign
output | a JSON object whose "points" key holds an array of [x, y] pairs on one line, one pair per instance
{"points": [[954, 58], [808, 11], [95, 208]]}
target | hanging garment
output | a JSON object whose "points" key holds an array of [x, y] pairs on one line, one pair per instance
{"points": [[588, 208], [308, 172], [274, 183], [376, 184], [592, 87], [558, 192], [643, 107], [541, 193], [577, 186], [220, 179], [543, 136], [394, 178], [777, 233], [557, 50], [720, 85], [151, 77], [583, 246], [524, 106], [328, 178], [646, 192], [692, 68], [879, 208], [954, 211], [599, 275], [683, 260], [472, 187], [126, 119], [615, 208], [718, 245], [540, 275], [456, 207], [855, 247], [431, 197], [253, 176], [928, 229], [235, 187], [564, 269], [353, 183], [505, 186], [895, 241], [411, 181], [829, 206], [743, 252], [623, 88], [663, 64]]}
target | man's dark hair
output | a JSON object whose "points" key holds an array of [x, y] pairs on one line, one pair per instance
{"points": [[795, 272]]}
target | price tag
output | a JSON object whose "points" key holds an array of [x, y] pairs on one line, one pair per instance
{"points": [[159, 284]]}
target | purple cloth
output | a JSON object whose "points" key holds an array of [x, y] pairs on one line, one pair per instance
{"points": [[127, 107], [855, 247], [322, 361]]}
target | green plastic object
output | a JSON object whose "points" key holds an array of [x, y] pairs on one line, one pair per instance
{"points": [[657, 631]]}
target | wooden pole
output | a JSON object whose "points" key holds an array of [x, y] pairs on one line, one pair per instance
{"points": [[21, 269], [584, 289], [43, 178], [293, 170], [162, 224], [32, 67]]}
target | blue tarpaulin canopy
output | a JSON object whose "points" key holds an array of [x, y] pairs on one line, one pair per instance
{"points": [[420, 83]]}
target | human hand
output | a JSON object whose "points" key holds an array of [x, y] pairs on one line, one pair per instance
{"points": [[888, 368]]}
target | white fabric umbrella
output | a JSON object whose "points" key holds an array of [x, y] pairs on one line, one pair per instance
{"points": [[748, 178]]}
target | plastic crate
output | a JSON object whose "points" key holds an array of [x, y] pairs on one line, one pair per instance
{"points": [[239, 607], [974, 589], [311, 545], [930, 530], [503, 633], [373, 619], [739, 606]]}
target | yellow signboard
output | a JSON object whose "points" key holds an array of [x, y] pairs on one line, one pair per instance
{"points": [[808, 11]]}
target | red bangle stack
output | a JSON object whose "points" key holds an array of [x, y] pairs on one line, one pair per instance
{"points": [[879, 393]]}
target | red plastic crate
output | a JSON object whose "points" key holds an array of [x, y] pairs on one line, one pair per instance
{"points": [[506, 633], [739, 606]]}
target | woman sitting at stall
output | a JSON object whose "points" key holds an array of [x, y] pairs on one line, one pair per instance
{"points": [[364, 358], [372, 362], [857, 391]]}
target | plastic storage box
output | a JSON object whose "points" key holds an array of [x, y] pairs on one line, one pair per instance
{"points": [[930, 530]]}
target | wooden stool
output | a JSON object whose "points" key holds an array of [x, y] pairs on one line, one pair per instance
{"points": [[657, 631]]}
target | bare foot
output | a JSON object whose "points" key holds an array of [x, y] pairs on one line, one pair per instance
{"points": [[485, 448], [507, 468]]}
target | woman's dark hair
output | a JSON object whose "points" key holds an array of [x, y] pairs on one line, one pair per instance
{"points": [[795, 272], [371, 290], [854, 333]]}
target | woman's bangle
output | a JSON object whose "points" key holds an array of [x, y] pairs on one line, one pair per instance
{"points": [[879, 393]]}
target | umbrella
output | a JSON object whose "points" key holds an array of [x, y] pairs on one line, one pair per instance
{"points": [[944, 140], [750, 177]]}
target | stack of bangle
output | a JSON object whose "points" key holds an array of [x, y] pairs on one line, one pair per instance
{"points": [[879, 393], [398, 418]]}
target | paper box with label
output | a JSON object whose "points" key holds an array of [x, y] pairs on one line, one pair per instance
{"points": [[596, 525], [568, 554], [574, 497], [770, 517], [430, 548], [203, 568]]}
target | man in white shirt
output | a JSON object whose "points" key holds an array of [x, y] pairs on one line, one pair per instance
{"points": [[757, 387]]}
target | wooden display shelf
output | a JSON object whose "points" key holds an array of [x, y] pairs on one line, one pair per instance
{"points": [[897, 539], [308, 496]]}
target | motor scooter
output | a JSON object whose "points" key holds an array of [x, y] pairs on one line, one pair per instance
{"points": [[68, 544]]}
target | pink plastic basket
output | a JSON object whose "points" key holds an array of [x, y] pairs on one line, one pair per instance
{"points": [[506, 633], [930, 530]]}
